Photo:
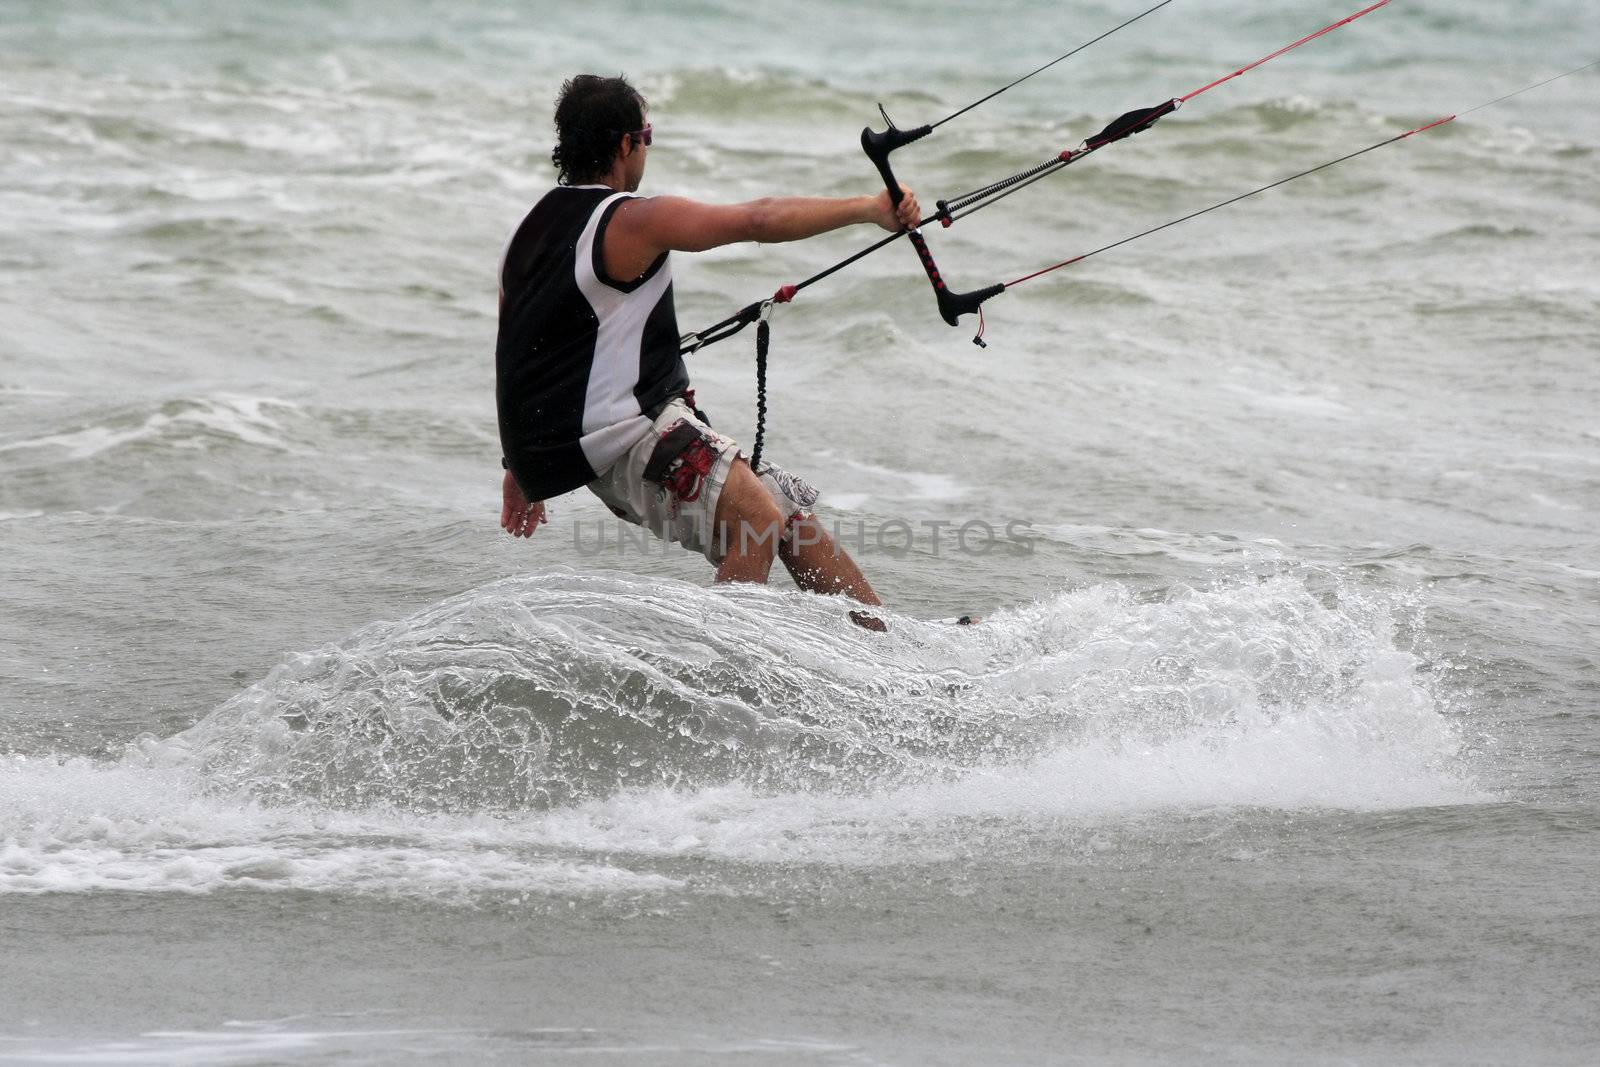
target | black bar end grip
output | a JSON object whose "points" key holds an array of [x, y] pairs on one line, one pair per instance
{"points": [[877, 146], [954, 305], [1133, 122]]}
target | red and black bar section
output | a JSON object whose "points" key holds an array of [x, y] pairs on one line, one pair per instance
{"points": [[878, 145]]}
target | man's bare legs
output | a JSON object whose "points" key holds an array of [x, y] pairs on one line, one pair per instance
{"points": [[818, 565], [751, 526]]}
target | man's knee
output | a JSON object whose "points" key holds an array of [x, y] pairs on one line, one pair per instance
{"points": [[803, 532]]}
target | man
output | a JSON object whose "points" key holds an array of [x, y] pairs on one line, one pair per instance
{"points": [[590, 387]]}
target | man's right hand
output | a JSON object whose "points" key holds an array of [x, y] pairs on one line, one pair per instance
{"points": [[892, 217], [519, 517]]}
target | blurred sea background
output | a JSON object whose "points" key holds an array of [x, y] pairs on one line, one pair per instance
{"points": [[1280, 738]]}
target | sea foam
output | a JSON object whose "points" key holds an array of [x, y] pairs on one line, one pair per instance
{"points": [[565, 733]]}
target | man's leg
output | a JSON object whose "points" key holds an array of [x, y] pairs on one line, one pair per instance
{"points": [[818, 565], [749, 527]]}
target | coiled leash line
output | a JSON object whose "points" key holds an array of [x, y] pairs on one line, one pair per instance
{"points": [[763, 339]]}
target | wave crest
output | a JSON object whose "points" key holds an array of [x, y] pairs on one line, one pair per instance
{"points": [[552, 690]]}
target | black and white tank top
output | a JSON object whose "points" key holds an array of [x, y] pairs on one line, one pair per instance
{"points": [[583, 361]]}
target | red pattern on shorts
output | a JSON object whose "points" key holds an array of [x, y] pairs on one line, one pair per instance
{"points": [[693, 466]]}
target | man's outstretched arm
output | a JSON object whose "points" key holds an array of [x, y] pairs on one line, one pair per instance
{"points": [[642, 229]]}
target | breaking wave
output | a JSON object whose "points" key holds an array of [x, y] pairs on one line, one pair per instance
{"points": [[571, 732]]}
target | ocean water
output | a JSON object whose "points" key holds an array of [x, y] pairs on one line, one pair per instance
{"points": [[1280, 738]]}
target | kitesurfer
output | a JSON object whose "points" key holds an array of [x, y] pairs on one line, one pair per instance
{"points": [[590, 387]]}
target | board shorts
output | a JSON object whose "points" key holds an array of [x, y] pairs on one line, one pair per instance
{"points": [[671, 480]]}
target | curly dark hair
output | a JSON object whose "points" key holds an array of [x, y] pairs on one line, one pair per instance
{"points": [[592, 112]]}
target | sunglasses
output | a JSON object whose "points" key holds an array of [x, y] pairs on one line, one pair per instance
{"points": [[644, 136]]}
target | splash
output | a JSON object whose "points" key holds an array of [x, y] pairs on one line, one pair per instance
{"points": [[580, 733], [542, 692], [539, 692]]}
